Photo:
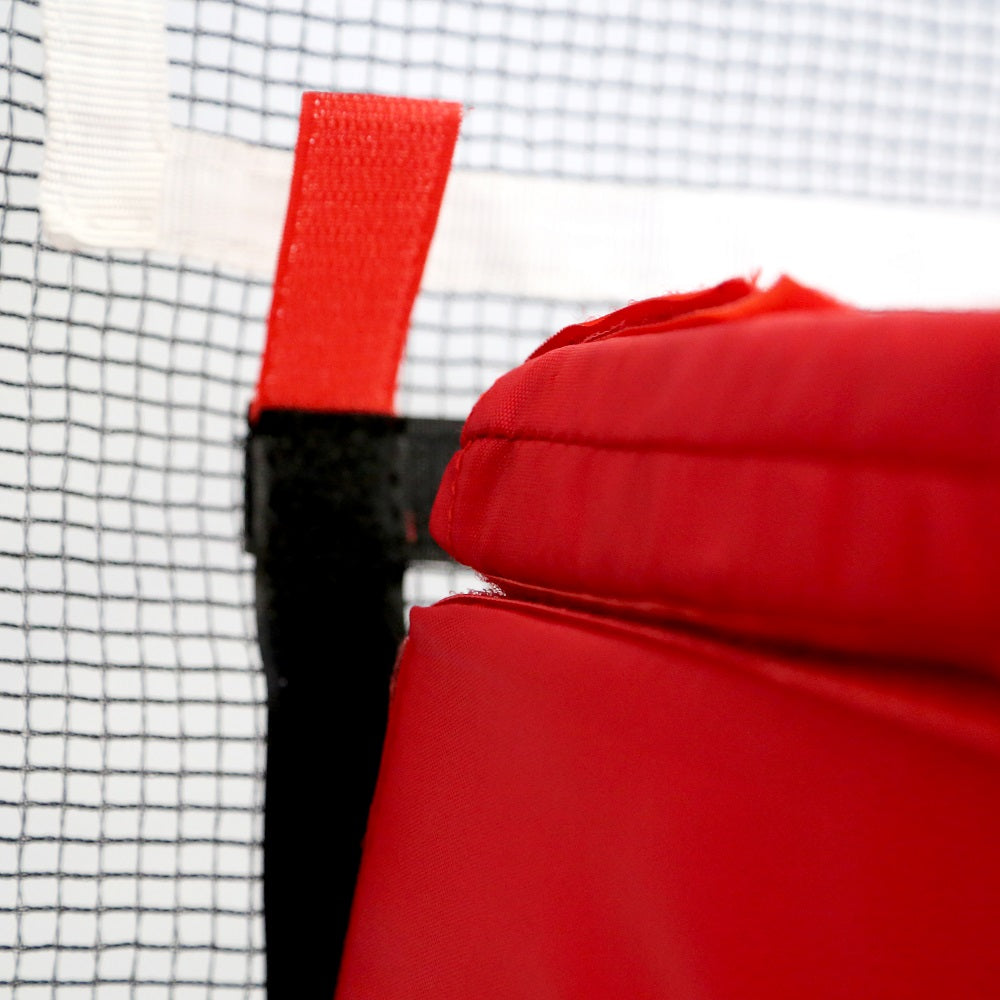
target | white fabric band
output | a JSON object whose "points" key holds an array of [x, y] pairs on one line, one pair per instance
{"points": [[118, 175]]}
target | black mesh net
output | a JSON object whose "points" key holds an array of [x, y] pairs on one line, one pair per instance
{"points": [[131, 703]]}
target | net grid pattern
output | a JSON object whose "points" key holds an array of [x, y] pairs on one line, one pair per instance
{"points": [[131, 700], [891, 101]]}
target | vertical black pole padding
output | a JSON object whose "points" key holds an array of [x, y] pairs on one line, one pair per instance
{"points": [[324, 519]]}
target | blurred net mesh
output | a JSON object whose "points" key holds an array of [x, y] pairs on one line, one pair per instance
{"points": [[131, 702]]}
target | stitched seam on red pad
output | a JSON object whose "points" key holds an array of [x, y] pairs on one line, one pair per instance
{"points": [[986, 469]]}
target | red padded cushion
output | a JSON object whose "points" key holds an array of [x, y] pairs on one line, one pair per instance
{"points": [[572, 807], [769, 463], [669, 761]]}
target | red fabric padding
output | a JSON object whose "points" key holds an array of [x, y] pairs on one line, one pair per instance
{"points": [[768, 463], [719, 737], [367, 185], [574, 807]]}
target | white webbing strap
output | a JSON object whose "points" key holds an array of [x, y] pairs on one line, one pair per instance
{"points": [[118, 175], [107, 122]]}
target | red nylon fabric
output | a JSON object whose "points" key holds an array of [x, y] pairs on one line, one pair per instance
{"points": [[733, 728], [570, 807], [779, 467], [368, 180]]}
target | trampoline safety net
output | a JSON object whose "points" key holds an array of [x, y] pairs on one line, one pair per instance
{"points": [[132, 705]]}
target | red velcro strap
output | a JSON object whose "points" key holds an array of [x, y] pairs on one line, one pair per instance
{"points": [[368, 180]]}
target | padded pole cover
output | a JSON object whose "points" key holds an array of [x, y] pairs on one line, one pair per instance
{"points": [[730, 728]]}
